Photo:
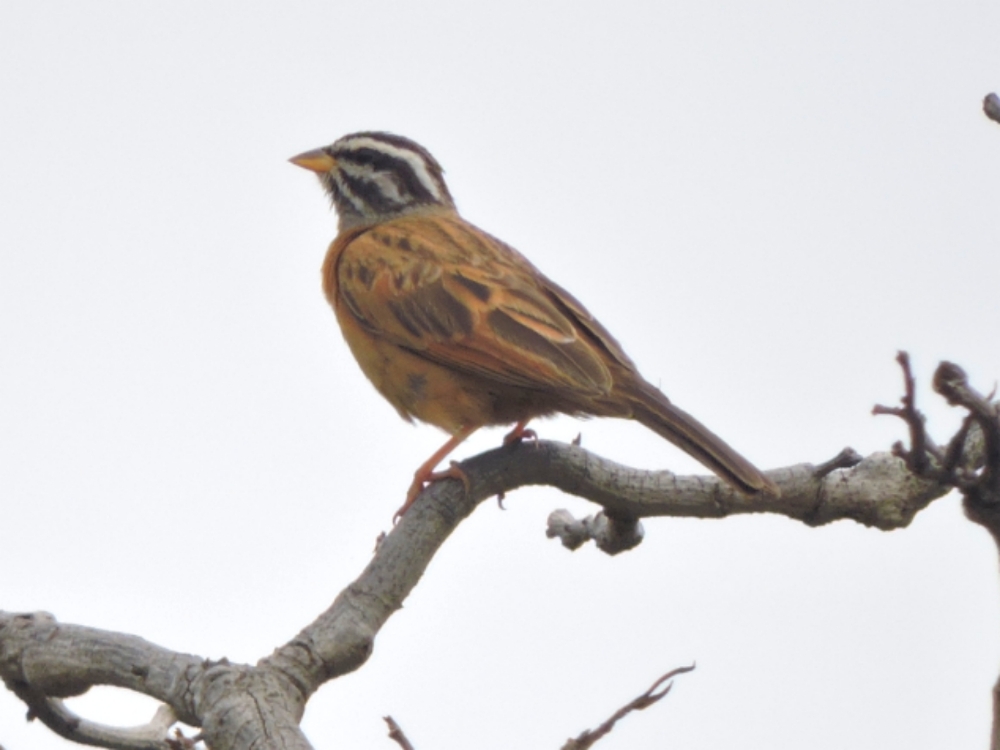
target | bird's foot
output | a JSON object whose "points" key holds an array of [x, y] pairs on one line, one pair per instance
{"points": [[520, 433], [425, 477]]}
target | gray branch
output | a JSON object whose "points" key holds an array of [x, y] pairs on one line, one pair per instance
{"points": [[242, 706]]}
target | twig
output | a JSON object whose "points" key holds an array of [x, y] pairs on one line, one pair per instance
{"points": [[396, 733], [951, 382], [991, 106], [647, 699], [916, 458], [846, 459], [923, 458], [976, 477]]}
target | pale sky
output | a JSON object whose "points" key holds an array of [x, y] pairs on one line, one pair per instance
{"points": [[763, 202]]}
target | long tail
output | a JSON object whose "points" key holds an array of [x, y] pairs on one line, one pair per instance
{"points": [[654, 410]]}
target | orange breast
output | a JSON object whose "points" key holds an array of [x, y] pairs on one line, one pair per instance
{"points": [[416, 387]]}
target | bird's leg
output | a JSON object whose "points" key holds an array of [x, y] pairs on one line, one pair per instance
{"points": [[426, 474], [519, 433]]}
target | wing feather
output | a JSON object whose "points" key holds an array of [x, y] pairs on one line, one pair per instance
{"points": [[454, 295]]}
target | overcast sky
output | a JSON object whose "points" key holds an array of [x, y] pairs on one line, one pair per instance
{"points": [[762, 201]]}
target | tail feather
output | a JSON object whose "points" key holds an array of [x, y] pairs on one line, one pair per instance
{"points": [[654, 410]]}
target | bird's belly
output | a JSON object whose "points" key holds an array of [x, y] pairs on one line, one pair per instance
{"points": [[421, 389], [416, 387]]}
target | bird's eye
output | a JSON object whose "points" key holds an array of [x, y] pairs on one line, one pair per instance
{"points": [[378, 161]]}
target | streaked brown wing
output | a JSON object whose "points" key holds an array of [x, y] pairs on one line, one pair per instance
{"points": [[575, 310], [443, 289]]}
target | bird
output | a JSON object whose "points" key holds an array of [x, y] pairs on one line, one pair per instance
{"points": [[457, 329]]}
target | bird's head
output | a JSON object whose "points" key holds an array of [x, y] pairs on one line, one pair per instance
{"points": [[373, 177]]}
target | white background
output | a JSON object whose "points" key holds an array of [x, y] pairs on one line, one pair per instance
{"points": [[763, 201]]}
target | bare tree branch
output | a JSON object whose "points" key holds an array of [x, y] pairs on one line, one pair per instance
{"points": [[875, 491], [54, 714], [588, 737], [970, 463], [42, 660], [237, 705]]}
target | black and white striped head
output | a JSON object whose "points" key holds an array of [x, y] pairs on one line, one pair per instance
{"points": [[373, 177]]}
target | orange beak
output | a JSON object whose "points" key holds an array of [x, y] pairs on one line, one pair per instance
{"points": [[316, 161]]}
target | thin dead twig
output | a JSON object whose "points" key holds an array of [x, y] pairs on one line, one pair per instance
{"points": [[396, 734], [587, 738]]}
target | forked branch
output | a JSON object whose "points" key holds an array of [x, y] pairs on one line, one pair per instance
{"points": [[970, 462], [236, 705], [587, 738]]}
